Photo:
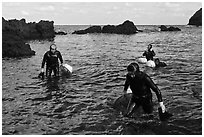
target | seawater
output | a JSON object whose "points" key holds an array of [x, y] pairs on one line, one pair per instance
{"points": [[83, 103]]}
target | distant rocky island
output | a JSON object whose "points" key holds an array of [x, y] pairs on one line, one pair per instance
{"points": [[127, 28], [15, 33], [196, 19]]}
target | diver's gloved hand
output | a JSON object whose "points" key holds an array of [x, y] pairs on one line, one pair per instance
{"points": [[42, 70], [162, 107]]}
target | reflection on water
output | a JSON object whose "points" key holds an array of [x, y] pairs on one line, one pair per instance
{"points": [[83, 103]]}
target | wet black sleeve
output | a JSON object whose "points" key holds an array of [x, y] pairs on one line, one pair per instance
{"points": [[44, 60], [60, 57], [154, 88], [153, 53], [127, 83]]}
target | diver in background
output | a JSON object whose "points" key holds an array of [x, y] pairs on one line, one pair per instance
{"points": [[149, 53]]}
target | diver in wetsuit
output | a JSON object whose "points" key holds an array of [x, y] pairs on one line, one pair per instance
{"points": [[51, 59], [158, 63], [140, 84], [149, 53]]}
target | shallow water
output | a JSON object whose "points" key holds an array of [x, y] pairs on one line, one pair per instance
{"points": [[83, 103]]}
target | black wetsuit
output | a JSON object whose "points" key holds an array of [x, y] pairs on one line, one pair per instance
{"points": [[52, 63], [161, 64], [140, 86], [149, 54]]}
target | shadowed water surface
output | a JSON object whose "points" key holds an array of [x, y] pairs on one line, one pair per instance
{"points": [[83, 103]]}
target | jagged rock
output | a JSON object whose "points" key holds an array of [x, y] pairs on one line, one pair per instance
{"points": [[29, 31], [164, 28], [92, 29], [16, 32], [127, 27], [196, 19], [46, 29]]}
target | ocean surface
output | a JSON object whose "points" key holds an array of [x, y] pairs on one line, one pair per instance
{"points": [[83, 103]]}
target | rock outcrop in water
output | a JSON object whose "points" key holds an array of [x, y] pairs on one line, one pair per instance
{"points": [[171, 28], [196, 19], [92, 29], [127, 27], [16, 32], [60, 33]]}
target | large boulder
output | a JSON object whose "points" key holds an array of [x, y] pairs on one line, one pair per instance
{"points": [[171, 28], [196, 19], [127, 27]]}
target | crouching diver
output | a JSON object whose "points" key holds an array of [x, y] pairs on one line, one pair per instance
{"points": [[140, 84], [51, 59]]}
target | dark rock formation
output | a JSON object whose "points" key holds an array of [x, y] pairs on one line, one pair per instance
{"points": [[109, 29], [46, 29], [14, 46], [16, 32], [196, 19], [92, 29], [60, 33], [127, 27], [29, 31], [164, 28]]}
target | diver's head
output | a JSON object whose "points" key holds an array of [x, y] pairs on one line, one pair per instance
{"points": [[149, 46], [132, 68], [53, 48], [157, 61]]}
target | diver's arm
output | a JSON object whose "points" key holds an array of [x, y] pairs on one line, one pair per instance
{"points": [[44, 60], [153, 53], [60, 58], [153, 86], [127, 83], [157, 91]]}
